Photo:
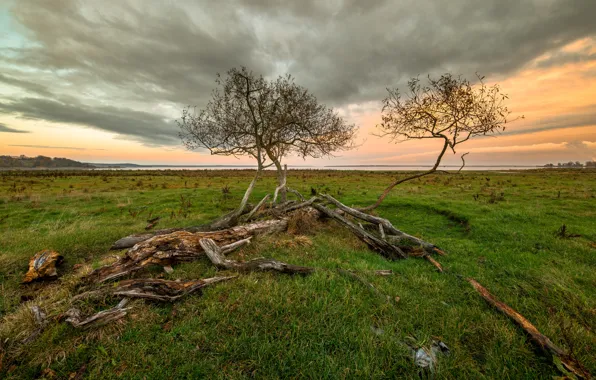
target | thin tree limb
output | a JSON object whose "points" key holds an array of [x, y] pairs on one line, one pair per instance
{"points": [[569, 363]]}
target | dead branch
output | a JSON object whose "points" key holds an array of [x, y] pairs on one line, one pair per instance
{"points": [[569, 363], [215, 254], [386, 249], [162, 290], [73, 316], [434, 262], [257, 208], [132, 240], [393, 235]]}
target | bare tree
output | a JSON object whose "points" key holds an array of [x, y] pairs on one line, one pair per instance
{"points": [[449, 109], [267, 120]]}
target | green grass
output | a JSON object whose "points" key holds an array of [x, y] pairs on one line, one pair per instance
{"points": [[498, 227]]}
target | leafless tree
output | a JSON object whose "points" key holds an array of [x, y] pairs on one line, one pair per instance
{"points": [[449, 109], [268, 120]]}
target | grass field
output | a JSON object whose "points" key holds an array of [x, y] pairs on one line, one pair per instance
{"points": [[498, 227]]}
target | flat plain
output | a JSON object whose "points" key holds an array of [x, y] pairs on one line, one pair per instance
{"points": [[497, 227]]}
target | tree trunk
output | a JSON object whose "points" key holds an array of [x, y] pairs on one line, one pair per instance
{"points": [[226, 221], [281, 190], [390, 187], [232, 218]]}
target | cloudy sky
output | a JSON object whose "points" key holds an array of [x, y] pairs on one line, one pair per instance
{"points": [[104, 80]]}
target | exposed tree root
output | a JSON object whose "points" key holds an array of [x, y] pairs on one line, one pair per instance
{"points": [[216, 255], [569, 364]]}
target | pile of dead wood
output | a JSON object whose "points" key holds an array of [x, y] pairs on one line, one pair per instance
{"points": [[215, 240]]}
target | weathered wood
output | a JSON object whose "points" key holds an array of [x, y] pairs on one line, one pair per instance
{"points": [[392, 234], [73, 316], [282, 178], [217, 224], [215, 254], [569, 363], [257, 208], [180, 246], [42, 266], [162, 290], [386, 249]]}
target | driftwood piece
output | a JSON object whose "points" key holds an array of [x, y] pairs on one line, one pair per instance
{"points": [[162, 290], [180, 246], [386, 249], [73, 316], [42, 266], [393, 234], [569, 364], [216, 255]]}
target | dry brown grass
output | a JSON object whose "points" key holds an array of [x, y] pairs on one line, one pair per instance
{"points": [[303, 222]]}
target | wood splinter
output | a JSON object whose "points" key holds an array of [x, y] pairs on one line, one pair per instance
{"points": [[568, 363], [216, 255]]}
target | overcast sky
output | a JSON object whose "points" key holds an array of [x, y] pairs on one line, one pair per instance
{"points": [[104, 80]]}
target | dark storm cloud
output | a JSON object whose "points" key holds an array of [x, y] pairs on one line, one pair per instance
{"points": [[148, 128], [135, 55], [6, 129]]}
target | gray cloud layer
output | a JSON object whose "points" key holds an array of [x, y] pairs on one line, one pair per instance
{"points": [[7, 129], [128, 66]]}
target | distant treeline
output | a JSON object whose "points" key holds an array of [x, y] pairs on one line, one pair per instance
{"points": [[571, 164], [40, 162]]}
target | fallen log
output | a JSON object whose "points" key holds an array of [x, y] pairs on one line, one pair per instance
{"points": [[224, 221], [385, 248], [180, 246], [216, 255], [73, 316], [569, 364]]}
